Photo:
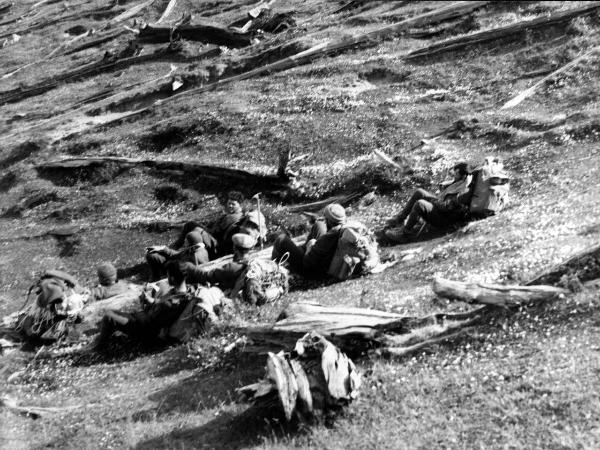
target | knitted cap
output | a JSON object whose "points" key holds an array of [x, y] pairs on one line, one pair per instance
{"points": [[335, 213], [244, 241], [107, 273], [194, 237]]}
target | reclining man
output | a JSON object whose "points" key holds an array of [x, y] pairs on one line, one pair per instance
{"points": [[193, 251], [312, 259], [225, 277], [109, 285], [160, 312], [450, 206]]}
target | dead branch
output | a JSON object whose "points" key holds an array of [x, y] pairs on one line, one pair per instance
{"points": [[315, 206], [401, 352], [495, 294], [101, 39], [507, 31], [131, 12], [208, 34], [585, 265], [167, 12], [530, 91]]}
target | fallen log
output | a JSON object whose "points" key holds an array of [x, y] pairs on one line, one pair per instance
{"points": [[315, 206], [131, 12], [167, 12], [530, 91], [495, 294], [216, 173], [101, 39], [110, 64], [507, 31], [208, 34], [584, 265], [354, 330], [5, 7]]}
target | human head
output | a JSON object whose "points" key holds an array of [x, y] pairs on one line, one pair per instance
{"points": [[242, 243], [176, 272], [234, 201], [334, 214], [193, 238], [107, 274], [461, 170]]}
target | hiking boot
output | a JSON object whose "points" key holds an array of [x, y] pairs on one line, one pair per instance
{"points": [[398, 235]]}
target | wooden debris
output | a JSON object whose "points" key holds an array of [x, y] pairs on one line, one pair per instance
{"points": [[100, 39], [208, 34], [584, 265], [133, 11], [318, 205], [33, 412], [167, 12], [495, 294], [313, 379], [530, 91], [385, 158], [507, 31], [354, 330]]}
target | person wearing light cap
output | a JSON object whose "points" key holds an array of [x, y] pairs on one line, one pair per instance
{"points": [[314, 257], [225, 277], [109, 285], [194, 251]]}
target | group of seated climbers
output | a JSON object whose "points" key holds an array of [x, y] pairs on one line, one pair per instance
{"points": [[198, 244], [334, 247]]}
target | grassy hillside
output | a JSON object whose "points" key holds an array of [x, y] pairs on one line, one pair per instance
{"points": [[527, 378]]}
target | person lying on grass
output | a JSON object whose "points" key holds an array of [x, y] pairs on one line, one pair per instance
{"points": [[159, 312], [443, 210]]}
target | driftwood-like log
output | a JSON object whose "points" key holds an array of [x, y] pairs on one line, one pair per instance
{"points": [[208, 34], [584, 265], [208, 171], [313, 379], [530, 91], [495, 294], [354, 330], [320, 204], [507, 31], [109, 64], [98, 40]]}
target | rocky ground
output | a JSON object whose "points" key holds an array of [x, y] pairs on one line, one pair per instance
{"points": [[528, 378]]}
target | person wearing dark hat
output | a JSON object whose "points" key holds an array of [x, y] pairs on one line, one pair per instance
{"points": [[314, 257], [227, 276], [109, 285], [160, 312], [216, 236], [194, 251], [441, 210]]}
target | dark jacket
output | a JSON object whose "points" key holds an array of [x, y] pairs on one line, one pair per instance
{"points": [[318, 258], [225, 276]]}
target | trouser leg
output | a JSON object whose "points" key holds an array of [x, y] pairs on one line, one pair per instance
{"points": [[157, 262], [419, 194], [420, 210], [284, 244]]}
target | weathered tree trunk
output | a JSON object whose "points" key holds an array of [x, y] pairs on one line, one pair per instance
{"points": [[208, 34], [354, 330], [100, 39], [584, 265], [530, 91], [507, 31], [495, 294]]}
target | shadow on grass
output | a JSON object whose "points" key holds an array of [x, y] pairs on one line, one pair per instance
{"points": [[229, 431]]}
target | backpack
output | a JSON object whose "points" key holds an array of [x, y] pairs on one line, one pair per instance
{"points": [[356, 252], [491, 184], [59, 297], [263, 281]]}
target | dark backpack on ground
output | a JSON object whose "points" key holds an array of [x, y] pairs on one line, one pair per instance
{"points": [[262, 281], [356, 252]]}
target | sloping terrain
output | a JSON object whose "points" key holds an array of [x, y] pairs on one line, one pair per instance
{"points": [[525, 379]]}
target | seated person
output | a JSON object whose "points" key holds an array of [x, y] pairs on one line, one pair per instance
{"points": [[109, 285], [217, 235], [227, 276], [194, 251], [159, 312], [443, 210], [253, 224], [312, 260]]}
